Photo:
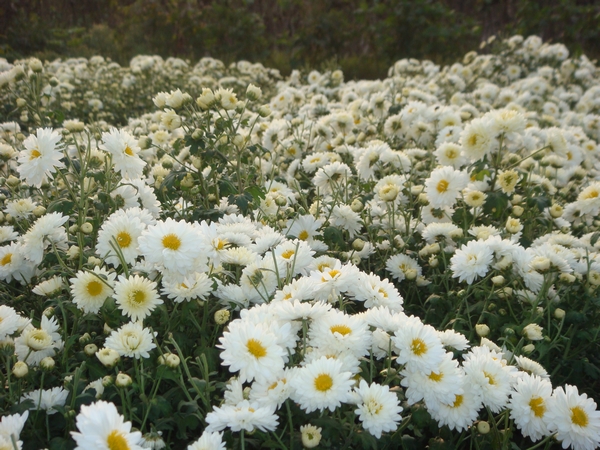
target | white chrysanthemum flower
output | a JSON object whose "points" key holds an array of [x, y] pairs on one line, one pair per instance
{"points": [[451, 338], [378, 409], [377, 292], [10, 321], [47, 399], [332, 177], [118, 237], [124, 150], [450, 154], [574, 418], [34, 344], [50, 287], [47, 230], [136, 296], [331, 281], [173, 246], [471, 260], [343, 216], [418, 345], [8, 233], [194, 286], [444, 186], [91, 289], [243, 416], [460, 414], [20, 209], [305, 228], [403, 267], [10, 430], [531, 367], [132, 340], [528, 405], [293, 257], [253, 350], [208, 441], [272, 392], [101, 426], [486, 372], [321, 385], [477, 139], [440, 385], [336, 331], [40, 159], [12, 261]]}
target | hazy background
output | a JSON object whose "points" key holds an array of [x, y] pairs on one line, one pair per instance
{"points": [[363, 38]]}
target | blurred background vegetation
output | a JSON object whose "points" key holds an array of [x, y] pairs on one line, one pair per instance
{"points": [[363, 38]]}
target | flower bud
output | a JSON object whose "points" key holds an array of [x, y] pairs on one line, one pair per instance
{"points": [[533, 332], [123, 380], [36, 65], [517, 211], [90, 349], [482, 329], [483, 427], [86, 228], [108, 357], [47, 363], [356, 205], [311, 435], [253, 93], [559, 313], [20, 369], [264, 111], [172, 360], [222, 316], [107, 380], [527, 349]]}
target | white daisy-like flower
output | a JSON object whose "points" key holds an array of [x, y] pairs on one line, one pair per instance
{"points": [[47, 399], [471, 261], [321, 385], [208, 441], [10, 321], [136, 296], [461, 413], [243, 416], [271, 392], [132, 340], [450, 154], [118, 238], [34, 344], [529, 404], [91, 289], [444, 186], [8, 233], [293, 257], [253, 350], [403, 267], [47, 230], [21, 208], [477, 139], [343, 216], [332, 177], [41, 158], [336, 331], [10, 430], [418, 345], [378, 409], [197, 285], [174, 246], [101, 426], [574, 418], [377, 292], [124, 151]]}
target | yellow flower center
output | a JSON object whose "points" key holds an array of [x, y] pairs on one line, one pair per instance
{"points": [[220, 245], [579, 416], [472, 141], [537, 406], [137, 297], [490, 378], [458, 401], [418, 346], [123, 239], [288, 254], [436, 376], [38, 340], [171, 241], [6, 259], [35, 153], [323, 382], [442, 186], [374, 407], [128, 151], [256, 349], [342, 329], [94, 288], [116, 441], [303, 235]]}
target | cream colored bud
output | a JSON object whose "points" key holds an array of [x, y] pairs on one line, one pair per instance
{"points": [[172, 360], [559, 313], [482, 329], [433, 261], [107, 380], [86, 228], [47, 363], [567, 278], [517, 211], [422, 198], [73, 252], [49, 311], [39, 211], [20, 369], [483, 427], [516, 199], [222, 316], [498, 280], [85, 338], [92, 260], [513, 225], [90, 349], [253, 93], [527, 349], [533, 332], [264, 111], [21, 102], [556, 211], [13, 181], [36, 65], [123, 380], [356, 205], [410, 274], [73, 229], [108, 356], [358, 244]]}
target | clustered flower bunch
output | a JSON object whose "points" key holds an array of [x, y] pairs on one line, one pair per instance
{"points": [[261, 263]]}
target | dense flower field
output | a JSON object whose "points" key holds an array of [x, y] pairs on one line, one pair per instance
{"points": [[211, 257]]}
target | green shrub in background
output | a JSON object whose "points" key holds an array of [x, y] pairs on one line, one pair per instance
{"points": [[361, 37]]}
